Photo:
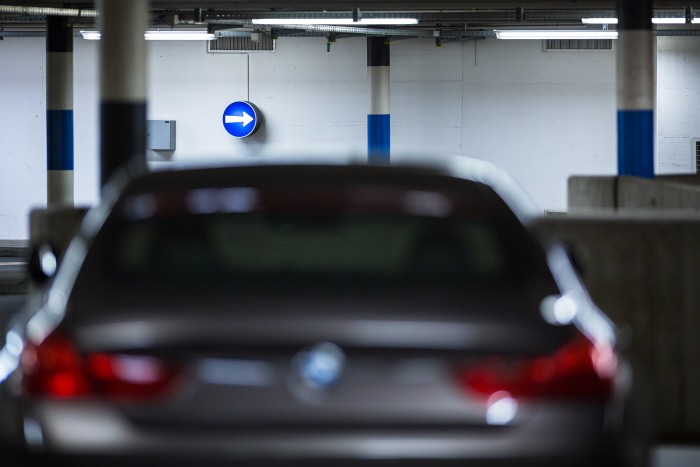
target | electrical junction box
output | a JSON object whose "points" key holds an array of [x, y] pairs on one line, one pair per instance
{"points": [[160, 135]]}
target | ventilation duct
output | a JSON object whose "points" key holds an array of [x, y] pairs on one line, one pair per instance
{"points": [[592, 45], [256, 42]]}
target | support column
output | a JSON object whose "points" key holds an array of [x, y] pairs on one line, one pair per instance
{"points": [[59, 111], [122, 85], [636, 88], [378, 119]]}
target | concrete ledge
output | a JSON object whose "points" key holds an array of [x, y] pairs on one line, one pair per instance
{"points": [[13, 280], [14, 248], [590, 193], [13, 258], [668, 193], [643, 270], [586, 192]]}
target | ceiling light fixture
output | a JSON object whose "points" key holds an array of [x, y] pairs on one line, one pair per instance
{"points": [[653, 20], [534, 34], [599, 20], [336, 21], [668, 20], [160, 35], [179, 36]]}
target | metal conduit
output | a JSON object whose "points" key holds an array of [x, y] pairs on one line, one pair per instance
{"points": [[362, 31], [47, 11], [329, 29], [443, 35]]}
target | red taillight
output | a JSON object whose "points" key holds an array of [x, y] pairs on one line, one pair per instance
{"points": [[54, 368], [579, 369]]}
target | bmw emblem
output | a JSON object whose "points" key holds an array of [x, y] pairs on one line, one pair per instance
{"points": [[320, 366]]}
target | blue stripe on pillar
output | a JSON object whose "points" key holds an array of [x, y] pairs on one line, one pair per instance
{"points": [[59, 139], [635, 134], [378, 138]]}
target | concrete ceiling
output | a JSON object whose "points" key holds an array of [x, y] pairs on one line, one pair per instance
{"points": [[458, 18], [294, 5]]}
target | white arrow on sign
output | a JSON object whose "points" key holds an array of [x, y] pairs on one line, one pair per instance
{"points": [[245, 119]]}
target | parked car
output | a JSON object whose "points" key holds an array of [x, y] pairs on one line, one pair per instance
{"points": [[314, 315]]}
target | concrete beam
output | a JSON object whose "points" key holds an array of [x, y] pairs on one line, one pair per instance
{"points": [[590, 194], [586, 193]]}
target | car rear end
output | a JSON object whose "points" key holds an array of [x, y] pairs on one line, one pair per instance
{"points": [[316, 315]]}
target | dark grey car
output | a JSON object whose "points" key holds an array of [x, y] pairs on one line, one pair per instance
{"points": [[318, 315]]}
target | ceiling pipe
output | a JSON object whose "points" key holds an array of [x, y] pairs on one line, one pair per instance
{"points": [[446, 36], [326, 29], [47, 11], [362, 31]]}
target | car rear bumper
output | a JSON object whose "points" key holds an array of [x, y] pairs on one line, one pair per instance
{"points": [[60, 433], [151, 460]]}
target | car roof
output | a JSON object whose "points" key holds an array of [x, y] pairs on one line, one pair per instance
{"points": [[292, 171]]}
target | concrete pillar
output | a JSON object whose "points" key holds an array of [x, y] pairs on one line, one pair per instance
{"points": [[122, 85], [378, 119], [635, 88], [59, 111]]}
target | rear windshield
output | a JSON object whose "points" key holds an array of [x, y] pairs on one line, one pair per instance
{"points": [[230, 236]]}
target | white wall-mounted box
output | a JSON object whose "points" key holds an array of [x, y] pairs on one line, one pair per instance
{"points": [[160, 135]]}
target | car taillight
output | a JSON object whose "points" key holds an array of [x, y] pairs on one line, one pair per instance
{"points": [[579, 369], [54, 368]]}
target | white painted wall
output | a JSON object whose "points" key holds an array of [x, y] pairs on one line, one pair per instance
{"points": [[541, 116], [23, 130], [22, 133], [678, 103], [554, 114]]}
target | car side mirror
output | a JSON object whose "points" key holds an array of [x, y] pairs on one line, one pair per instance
{"points": [[43, 263]]}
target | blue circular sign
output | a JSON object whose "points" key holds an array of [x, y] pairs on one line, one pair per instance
{"points": [[241, 119]]}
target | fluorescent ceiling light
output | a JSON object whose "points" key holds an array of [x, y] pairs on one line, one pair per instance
{"points": [[91, 35], [554, 34], [179, 36], [160, 35], [668, 20], [653, 20], [336, 21], [599, 20]]}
